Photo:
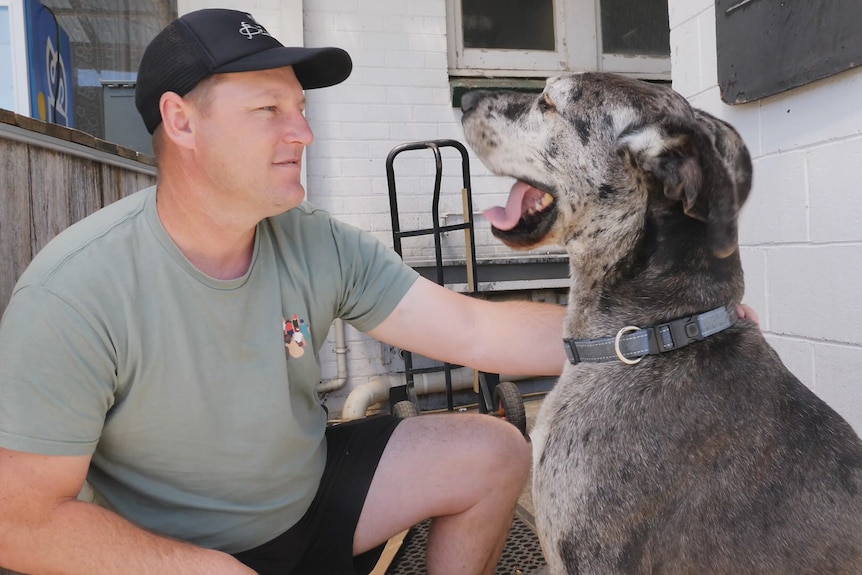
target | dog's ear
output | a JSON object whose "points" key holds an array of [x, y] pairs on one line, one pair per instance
{"points": [[701, 162]]}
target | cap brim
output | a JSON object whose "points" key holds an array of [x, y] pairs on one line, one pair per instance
{"points": [[314, 67]]}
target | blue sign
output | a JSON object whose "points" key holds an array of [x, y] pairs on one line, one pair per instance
{"points": [[49, 62]]}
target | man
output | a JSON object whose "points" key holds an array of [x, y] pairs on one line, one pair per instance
{"points": [[143, 351]]}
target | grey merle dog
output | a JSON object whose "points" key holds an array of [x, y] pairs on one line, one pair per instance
{"points": [[675, 441]]}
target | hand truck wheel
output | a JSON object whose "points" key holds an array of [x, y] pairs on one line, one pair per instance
{"points": [[509, 405], [404, 409]]}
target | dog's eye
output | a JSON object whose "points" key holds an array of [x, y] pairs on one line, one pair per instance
{"points": [[544, 105]]}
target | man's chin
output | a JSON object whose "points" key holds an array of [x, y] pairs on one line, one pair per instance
{"points": [[290, 196]]}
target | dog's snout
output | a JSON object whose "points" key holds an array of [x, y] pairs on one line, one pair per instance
{"points": [[471, 99]]}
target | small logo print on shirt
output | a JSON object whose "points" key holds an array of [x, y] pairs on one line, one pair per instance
{"points": [[296, 335]]}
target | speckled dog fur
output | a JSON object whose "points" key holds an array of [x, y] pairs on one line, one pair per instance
{"points": [[710, 459]]}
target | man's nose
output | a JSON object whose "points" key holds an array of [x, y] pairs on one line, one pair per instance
{"points": [[300, 131]]}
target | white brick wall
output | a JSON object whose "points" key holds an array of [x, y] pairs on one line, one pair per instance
{"points": [[376, 108], [282, 18], [399, 92], [801, 230]]}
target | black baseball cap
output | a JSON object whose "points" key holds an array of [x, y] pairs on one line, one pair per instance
{"points": [[215, 41]]}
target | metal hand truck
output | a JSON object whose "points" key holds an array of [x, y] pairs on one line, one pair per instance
{"points": [[502, 399]]}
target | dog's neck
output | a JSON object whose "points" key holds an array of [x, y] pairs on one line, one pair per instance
{"points": [[658, 271], [604, 303]]}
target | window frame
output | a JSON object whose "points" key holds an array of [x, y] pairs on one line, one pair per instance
{"points": [[18, 41], [578, 49]]}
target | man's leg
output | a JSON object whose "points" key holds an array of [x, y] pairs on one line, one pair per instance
{"points": [[464, 470]]}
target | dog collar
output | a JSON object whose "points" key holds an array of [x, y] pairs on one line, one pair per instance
{"points": [[632, 343]]}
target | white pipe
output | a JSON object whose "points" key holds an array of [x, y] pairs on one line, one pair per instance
{"points": [[362, 397], [340, 361], [365, 395], [435, 381]]}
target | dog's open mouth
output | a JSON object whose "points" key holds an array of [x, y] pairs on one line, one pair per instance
{"points": [[527, 217]]}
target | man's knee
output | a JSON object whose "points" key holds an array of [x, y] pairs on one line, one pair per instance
{"points": [[488, 449], [505, 449]]}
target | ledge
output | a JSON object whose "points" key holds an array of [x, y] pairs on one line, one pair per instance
{"points": [[53, 136], [524, 272], [461, 85]]}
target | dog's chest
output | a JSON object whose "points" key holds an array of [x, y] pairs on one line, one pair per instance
{"points": [[596, 413], [574, 410]]}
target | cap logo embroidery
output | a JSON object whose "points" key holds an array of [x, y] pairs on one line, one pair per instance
{"points": [[250, 30]]}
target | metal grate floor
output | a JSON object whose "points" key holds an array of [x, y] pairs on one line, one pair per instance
{"points": [[522, 554]]}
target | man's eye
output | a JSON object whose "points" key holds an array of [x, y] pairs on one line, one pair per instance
{"points": [[268, 108]]}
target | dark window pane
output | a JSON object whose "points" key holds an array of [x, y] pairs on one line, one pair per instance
{"points": [[107, 41], [635, 28], [508, 24]]}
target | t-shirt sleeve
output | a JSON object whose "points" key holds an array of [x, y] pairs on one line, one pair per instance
{"points": [[57, 376], [374, 278]]}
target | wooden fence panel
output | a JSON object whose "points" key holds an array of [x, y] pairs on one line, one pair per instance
{"points": [[16, 249], [49, 195], [117, 183], [43, 190], [84, 188]]}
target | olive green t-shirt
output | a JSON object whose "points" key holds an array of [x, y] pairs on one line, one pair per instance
{"points": [[195, 396]]}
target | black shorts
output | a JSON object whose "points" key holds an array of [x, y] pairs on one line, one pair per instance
{"points": [[321, 543]]}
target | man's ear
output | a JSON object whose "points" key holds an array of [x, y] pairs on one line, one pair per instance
{"points": [[176, 119], [682, 154]]}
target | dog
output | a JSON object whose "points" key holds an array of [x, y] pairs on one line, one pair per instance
{"points": [[675, 440]]}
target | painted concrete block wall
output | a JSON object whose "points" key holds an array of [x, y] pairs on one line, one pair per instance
{"points": [[392, 96], [398, 92], [282, 18], [801, 230]]}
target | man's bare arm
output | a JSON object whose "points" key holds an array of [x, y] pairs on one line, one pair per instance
{"points": [[44, 529], [515, 337]]}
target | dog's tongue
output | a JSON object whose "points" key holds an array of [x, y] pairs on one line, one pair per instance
{"points": [[506, 218]]}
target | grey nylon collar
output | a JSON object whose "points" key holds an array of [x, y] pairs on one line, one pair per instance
{"points": [[632, 343]]}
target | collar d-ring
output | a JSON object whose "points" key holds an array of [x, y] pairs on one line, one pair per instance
{"points": [[618, 351]]}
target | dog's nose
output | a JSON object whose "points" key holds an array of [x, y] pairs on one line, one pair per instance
{"points": [[470, 99]]}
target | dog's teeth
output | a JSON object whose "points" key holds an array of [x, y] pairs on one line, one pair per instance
{"points": [[546, 200], [539, 205]]}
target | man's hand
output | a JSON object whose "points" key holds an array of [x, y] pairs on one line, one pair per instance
{"points": [[746, 312]]}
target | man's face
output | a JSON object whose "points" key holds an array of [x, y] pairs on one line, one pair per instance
{"points": [[250, 132]]}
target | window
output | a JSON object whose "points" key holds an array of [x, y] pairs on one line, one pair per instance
{"points": [[540, 38], [106, 40], [7, 84], [13, 62]]}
